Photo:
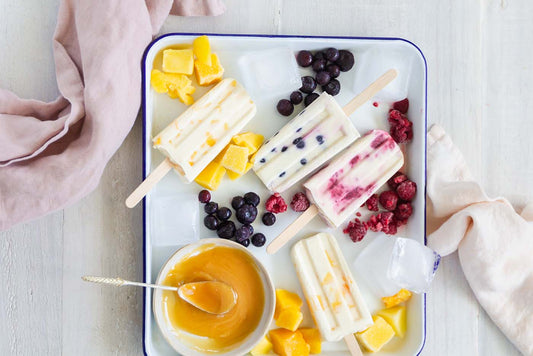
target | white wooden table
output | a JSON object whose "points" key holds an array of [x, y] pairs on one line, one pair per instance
{"points": [[480, 74]]}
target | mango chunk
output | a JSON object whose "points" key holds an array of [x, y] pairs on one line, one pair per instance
{"points": [[250, 140], [313, 339], [208, 74], [376, 336], [202, 50], [211, 176], [232, 175], [286, 300], [288, 343], [289, 318], [235, 159], [180, 61], [175, 85], [263, 347], [403, 295], [396, 317]]}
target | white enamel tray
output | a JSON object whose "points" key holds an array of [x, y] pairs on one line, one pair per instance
{"points": [[159, 110]]}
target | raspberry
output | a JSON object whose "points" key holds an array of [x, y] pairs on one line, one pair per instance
{"points": [[403, 211], [401, 129], [390, 229], [372, 203], [399, 222], [402, 106], [299, 202], [396, 179], [381, 222], [374, 224], [388, 199], [406, 190], [356, 230], [275, 204]]}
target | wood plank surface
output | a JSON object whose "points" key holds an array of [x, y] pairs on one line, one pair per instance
{"points": [[480, 75]]}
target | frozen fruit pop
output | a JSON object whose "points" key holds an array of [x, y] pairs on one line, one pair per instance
{"points": [[319, 132], [339, 189], [315, 135], [195, 137], [336, 304]]}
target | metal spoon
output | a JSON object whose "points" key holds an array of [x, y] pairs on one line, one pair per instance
{"points": [[212, 297]]}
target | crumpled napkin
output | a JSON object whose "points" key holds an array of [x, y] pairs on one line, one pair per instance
{"points": [[53, 154], [494, 242]]}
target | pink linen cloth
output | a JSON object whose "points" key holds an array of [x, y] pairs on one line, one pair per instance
{"points": [[53, 154], [494, 242]]}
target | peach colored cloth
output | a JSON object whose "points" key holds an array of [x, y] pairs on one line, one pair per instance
{"points": [[52, 154], [494, 242]]}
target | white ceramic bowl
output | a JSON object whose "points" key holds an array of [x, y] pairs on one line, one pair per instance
{"points": [[249, 342]]}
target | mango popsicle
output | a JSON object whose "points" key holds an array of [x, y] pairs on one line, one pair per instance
{"points": [[330, 290]]}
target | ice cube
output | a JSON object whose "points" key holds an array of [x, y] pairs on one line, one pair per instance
{"points": [[373, 62], [413, 265], [271, 72], [174, 220], [372, 263]]}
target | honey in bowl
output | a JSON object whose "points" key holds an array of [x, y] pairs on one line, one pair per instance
{"points": [[215, 333]]}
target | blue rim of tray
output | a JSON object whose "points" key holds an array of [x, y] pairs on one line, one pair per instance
{"points": [[144, 133]]}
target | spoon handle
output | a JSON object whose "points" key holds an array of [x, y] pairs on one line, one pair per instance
{"points": [[119, 282]]}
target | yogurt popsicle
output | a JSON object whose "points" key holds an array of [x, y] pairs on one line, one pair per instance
{"points": [[340, 188], [348, 181], [316, 134], [330, 290], [195, 137]]}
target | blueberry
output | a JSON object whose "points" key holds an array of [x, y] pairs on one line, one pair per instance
{"points": [[258, 239], [268, 219], [299, 142], [252, 198], [303, 161], [319, 55], [245, 242], [333, 70], [284, 148], [333, 87], [322, 77], [226, 229], [204, 196], [332, 54], [285, 107], [237, 202], [320, 139], [319, 64], [345, 61], [250, 229], [310, 98], [223, 213], [308, 85], [211, 222], [246, 214], [211, 207], [296, 97], [242, 233], [304, 58]]}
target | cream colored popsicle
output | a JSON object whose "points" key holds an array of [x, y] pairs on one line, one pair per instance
{"points": [[340, 188], [193, 139], [336, 304], [348, 181], [316, 134]]}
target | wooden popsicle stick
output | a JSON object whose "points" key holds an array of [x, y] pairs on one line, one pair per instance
{"points": [[353, 346], [292, 229], [147, 185], [370, 91]]}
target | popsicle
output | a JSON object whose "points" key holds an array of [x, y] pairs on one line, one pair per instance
{"points": [[195, 137], [315, 135], [336, 304], [338, 190]]}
